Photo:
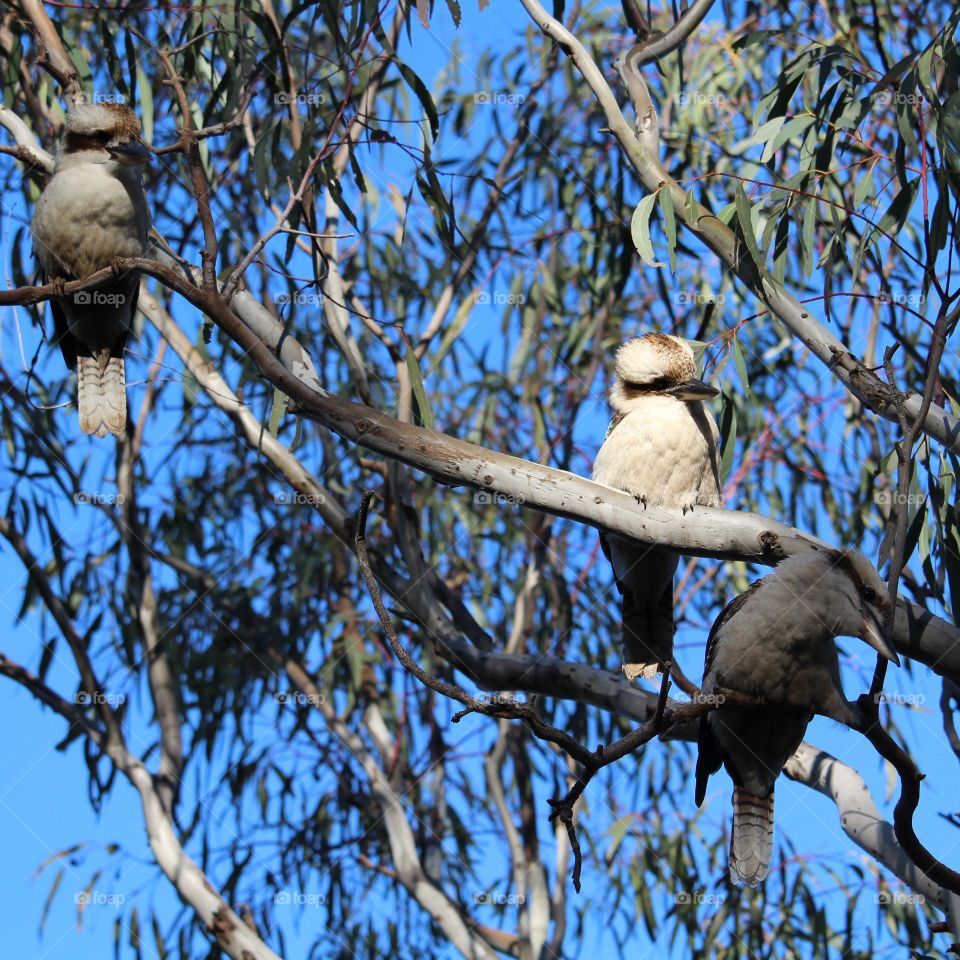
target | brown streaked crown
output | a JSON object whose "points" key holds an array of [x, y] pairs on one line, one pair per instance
{"points": [[87, 119], [656, 360]]}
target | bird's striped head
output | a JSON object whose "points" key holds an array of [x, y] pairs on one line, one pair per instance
{"points": [[656, 364], [100, 133]]}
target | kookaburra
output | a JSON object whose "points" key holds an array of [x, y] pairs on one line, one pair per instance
{"points": [[93, 211], [775, 642], [661, 447]]}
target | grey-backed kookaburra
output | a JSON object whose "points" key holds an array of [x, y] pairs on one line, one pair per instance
{"points": [[662, 448], [776, 642], [93, 211]]}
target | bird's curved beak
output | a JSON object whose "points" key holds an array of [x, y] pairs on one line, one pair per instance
{"points": [[873, 635], [693, 390], [133, 153]]}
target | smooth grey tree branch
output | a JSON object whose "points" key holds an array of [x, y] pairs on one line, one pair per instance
{"points": [[164, 684], [658, 45]]}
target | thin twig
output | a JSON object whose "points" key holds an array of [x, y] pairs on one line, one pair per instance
{"points": [[201, 188]]}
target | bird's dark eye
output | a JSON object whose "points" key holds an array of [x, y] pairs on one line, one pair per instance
{"points": [[869, 594], [102, 136]]}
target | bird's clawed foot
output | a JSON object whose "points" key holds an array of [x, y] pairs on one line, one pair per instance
{"points": [[58, 284], [117, 267], [641, 500]]}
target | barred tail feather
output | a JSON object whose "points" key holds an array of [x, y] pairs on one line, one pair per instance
{"points": [[102, 394], [751, 840]]}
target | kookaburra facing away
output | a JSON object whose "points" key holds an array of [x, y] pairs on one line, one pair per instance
{"points": [[662, 448], [93, 211], [776, 642]]}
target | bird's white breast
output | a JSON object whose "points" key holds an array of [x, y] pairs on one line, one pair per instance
{"points": [[87, 216], [663, 450]]}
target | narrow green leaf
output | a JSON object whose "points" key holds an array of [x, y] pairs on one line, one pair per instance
{"points": [[48, 903], [897, 212], [691, 209], [864, 188], [452, 333], [919, 535], [162, 951], [454, 7], [422, 413], [728, 437], [787, 132], [745, 218], [277, 409], [808, 236], [762, 134], [640, 230], [740, 364], [617, 832], [669, 225], [145, 96], [423, 95]]}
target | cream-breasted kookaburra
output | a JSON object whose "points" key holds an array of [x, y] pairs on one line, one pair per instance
{"points": [[776, 642], [93, 211], [662, 448]]}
